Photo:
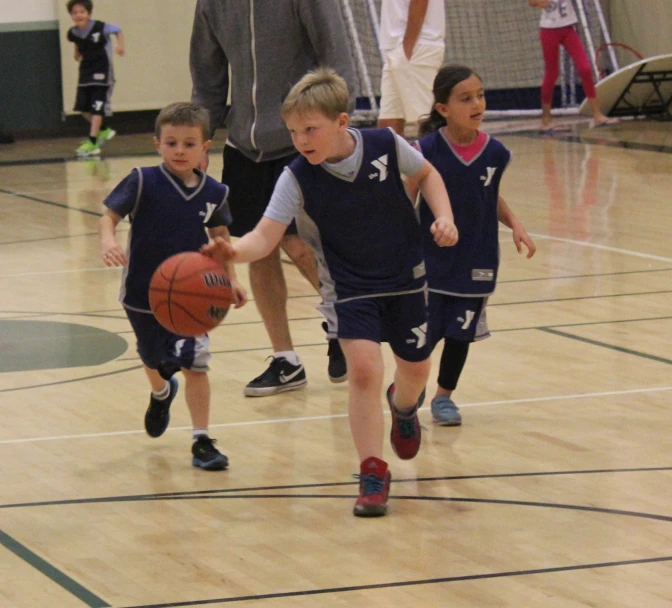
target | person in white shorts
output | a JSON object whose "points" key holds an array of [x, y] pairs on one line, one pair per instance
{"points": [[412, 42]]}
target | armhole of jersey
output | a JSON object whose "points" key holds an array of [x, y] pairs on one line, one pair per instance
{"points": [[298, 187], [139, 194], [226, 196], [508, 160]]}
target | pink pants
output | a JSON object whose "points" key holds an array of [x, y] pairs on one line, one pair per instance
{"points": [[551, 39]]}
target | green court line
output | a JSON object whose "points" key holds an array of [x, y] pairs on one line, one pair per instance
{"points": [[52, 203], [25, 388], [619, 349], [44, 567]]}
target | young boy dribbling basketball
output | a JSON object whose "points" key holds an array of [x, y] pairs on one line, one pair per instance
{"points": [[347, 195], [170, 206]]}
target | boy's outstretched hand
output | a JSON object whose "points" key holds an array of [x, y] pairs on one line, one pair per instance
{"points": [[444, 231], [520, 238], [219, 250]]}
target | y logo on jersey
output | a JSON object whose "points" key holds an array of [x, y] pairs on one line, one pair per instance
{"points": [[95, 36], [488, 178], [208, 213], [381, 165], [421, 334]]}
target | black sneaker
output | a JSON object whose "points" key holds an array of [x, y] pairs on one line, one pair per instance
{"points": [[157, 416], [280, 376], [207, 456], [338, 370]]}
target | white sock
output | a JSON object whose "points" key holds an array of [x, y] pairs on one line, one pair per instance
{"points": [[198, 432], [162, 395], [290, 355]]}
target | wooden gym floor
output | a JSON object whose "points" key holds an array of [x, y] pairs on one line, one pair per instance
{"points": [[555, 492]]}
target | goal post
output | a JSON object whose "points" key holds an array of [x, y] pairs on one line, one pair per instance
{"points": [[499, 39]]}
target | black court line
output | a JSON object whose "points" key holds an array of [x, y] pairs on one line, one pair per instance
{"points": [[71, 159], [231, 494], [614, 321], [619, 349], [613, 295], [94, 376], [585, 276], [396, 584], [626, 145], [239, 350], [51, 203], [58, 577], [304, 486], [49, 238]]}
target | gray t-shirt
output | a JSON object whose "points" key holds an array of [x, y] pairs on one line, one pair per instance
{"points": [[286, 200]]}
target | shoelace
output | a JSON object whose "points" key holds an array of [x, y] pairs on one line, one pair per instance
{"points": [[406, 424], [370, 484], [206, 444]]}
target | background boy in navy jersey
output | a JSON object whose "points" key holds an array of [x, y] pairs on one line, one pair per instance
{"points": [[461, 278], [93, 50], [346, 194], [170, 207]]}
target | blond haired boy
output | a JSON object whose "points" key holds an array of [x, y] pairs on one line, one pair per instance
{"points": [[348, 198]]}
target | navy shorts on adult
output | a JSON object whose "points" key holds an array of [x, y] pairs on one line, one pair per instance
{"points": [[158, 347], [455, 317], [251, 185], [399, 320], [93, 100]]}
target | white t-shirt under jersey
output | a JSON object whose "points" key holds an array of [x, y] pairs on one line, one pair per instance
{"points": [[560, 13], [393, 19]]}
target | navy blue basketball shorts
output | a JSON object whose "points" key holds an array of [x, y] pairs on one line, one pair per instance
{"points": [[93, 100], [157, 345], [455, 317], [400, 320], [250, 187]]}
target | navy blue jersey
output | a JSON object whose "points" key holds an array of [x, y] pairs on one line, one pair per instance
{"points": [[363, 230], [166, 218], [95, 66], [470, 267]]}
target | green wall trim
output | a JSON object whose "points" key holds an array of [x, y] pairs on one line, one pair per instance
{"points": [[28, 26]]}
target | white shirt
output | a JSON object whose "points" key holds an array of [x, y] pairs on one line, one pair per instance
{"points": [[560, 13], [393, 19]]}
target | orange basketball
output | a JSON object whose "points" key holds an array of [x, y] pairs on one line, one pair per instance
{"points": [[190, 294]]}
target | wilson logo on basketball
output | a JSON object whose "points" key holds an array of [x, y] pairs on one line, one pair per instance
{"points": [[215, 280], [217, 312]]}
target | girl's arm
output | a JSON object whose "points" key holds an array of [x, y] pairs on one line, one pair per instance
{"points": [[239, 292], [121, 44], [78, 55], [509, 219], [428, 181], [253, 246], [112, 253]]}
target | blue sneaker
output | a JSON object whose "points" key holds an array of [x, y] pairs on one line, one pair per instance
{"points": [[157, 416], [445, 412]]}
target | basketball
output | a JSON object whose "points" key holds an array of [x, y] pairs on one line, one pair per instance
{"points": [[190, 294]]}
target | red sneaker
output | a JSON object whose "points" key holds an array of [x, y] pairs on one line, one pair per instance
{"points": [[406, 433], [374, 488]]}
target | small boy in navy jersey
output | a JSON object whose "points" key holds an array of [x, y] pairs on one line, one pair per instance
{"points": [[461, 278], [170, 206], [347, 196], [93, 50]]}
